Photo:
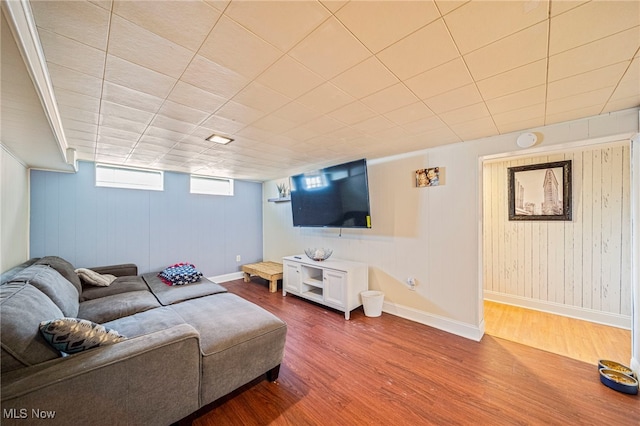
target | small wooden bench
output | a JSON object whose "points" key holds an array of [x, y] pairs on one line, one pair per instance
{"points": [[271, 271]]}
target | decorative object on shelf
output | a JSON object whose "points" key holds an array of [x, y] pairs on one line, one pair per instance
{"points": [[318, 254], [428, 177], [540, 191], [618, 381], [283, 190]]}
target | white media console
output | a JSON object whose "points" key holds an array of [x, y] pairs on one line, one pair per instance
{"points": [[333, 282]]}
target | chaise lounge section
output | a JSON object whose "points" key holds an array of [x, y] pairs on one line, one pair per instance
{"points": [[186, 346]]}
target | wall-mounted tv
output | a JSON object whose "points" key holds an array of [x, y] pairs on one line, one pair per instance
{"points": [[335, 197]]}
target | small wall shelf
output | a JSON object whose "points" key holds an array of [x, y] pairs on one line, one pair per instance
{"points": [[279, 200]]}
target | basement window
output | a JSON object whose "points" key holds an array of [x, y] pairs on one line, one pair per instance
{"points": [[129, 178], [211, 185]]}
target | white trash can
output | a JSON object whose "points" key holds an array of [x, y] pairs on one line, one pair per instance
{"points": [[372, 302]]}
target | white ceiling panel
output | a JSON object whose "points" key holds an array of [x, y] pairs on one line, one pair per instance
{"points": [[312, 83]]}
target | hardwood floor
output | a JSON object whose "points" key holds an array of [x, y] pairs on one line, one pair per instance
{"points": [[581, 340], [388, 370]]}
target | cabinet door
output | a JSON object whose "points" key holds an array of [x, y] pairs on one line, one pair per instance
{"points": [[335, 283], [291, 277]]}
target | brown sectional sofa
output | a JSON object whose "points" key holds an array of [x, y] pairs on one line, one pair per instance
{"points": [[186, 346]]}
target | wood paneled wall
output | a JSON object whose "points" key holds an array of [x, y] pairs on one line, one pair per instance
{"points": [[584, 263]]}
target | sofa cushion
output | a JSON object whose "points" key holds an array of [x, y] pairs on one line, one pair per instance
{"points": [[119, 285], [22, 308], [73, 335], [117, 306], [146, 322], [65, 268], [54, 285], [168, 295]]}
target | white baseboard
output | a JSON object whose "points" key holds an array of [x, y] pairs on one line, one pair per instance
{"points": [[441, 323], [227, 277], [599, 317]]}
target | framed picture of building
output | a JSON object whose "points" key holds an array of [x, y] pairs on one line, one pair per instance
{"points": [[540, 191]]}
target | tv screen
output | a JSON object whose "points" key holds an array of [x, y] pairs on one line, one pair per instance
{"points": [[336, 196]]}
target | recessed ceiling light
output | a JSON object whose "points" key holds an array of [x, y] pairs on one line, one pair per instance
{"points": [[219, 139]]}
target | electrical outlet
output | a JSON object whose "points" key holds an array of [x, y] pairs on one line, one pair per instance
{"points": [[238, 258], [411, 281]]}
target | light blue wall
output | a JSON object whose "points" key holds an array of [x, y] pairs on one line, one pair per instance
{"points": [[92, 226]]}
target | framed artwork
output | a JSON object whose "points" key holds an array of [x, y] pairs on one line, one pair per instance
{"points": [[428, 177], [540, 191]]}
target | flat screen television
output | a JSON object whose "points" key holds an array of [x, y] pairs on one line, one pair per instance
{"points": [[333, 197]]}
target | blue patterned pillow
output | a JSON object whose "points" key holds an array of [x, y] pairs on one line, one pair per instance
{"points": [[180, 274], [73, 335]]}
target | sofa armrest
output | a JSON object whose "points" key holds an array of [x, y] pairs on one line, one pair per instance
{"points": [[150, 379], [122, 270]]}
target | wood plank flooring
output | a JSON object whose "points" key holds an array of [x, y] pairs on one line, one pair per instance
{"points": [[581, 340], [391, 371]]}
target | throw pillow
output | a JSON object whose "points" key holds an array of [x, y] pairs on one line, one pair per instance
{"points": [[180, 274], [73, 335], [95, 278]]}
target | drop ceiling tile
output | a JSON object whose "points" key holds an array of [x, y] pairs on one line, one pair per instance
{"points": [[391, 98], [253, 132], [105, 4], [464, 114], [439, 136], [170, 18], [368, 77], [131, 98], [261, 97], [170, 136], [515, 80], [323, 125], [517, 100], [423, 50], [147, 49], [558, 7], [581, 100], [228, 38], [374, 124], [400, 19], [353, 113], [454, 99], [296, 113], [108, 149], [447, 6], [149, 141], [619, 103], [213, 77], [289, 77], [136, 77], [81, 135], [610, 50], [181, 112], [330, 50], [191, 96], [325, 98], [521, 125], [69, 79], [115, 122], [424, 125], [441, 79], [172, 124], [586, 82], [407, 114], [218, 125], [475, 129], [282, 24], [576, 27], [70, 124], [478, 24], [111, 109], [629, 85], [77, 100], [272, 124], [78, 114], [124, 137], [572, 115], [72, 54], [532, 112], [239, 113], [508, 53], [78, 20]]}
